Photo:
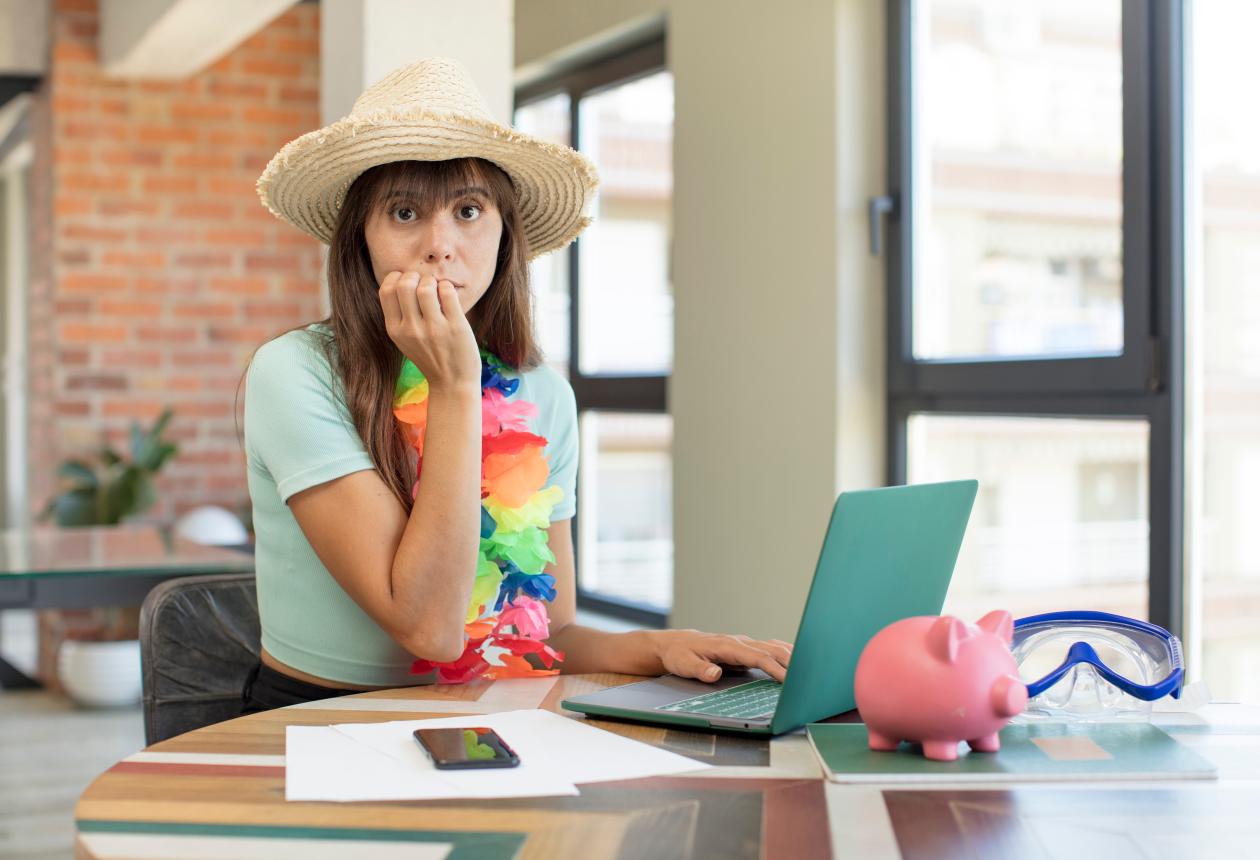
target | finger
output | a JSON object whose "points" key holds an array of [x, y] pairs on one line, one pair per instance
{"points": [[736, 653], [407, 299], [448, 298], [427, 299], [388, 296], [693, 665]]}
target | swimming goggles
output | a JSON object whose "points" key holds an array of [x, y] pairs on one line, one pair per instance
{"points": [[1094, 665]]}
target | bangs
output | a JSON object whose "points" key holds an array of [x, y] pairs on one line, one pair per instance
{"points": [[431, 185]]}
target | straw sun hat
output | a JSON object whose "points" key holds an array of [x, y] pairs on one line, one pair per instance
{"points": [[427, 111]]}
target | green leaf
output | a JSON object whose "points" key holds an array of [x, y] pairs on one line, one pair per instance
{"points": [[78, 472]]}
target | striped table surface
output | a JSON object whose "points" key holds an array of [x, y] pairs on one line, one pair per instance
{"points": [[219, 792]]}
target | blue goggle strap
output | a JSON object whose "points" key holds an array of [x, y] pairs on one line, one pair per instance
{"points": [[1081, 652]]}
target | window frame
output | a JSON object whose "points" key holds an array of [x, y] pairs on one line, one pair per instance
{"points": [[603, 392], [1147, 379]]}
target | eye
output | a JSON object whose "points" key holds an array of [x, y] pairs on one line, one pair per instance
{"points": [[469, 212], [409, 216]]}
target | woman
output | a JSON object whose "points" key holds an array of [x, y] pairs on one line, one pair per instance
{"points": [[412, 464]]}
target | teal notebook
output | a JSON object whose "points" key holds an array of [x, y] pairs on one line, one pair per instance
{"points": [[1030, 752]]}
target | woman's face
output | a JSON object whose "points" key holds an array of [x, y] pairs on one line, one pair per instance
{"points": [[457, 242]]}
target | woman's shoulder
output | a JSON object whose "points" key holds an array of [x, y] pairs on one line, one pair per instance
{"points": [[545, 384], [301, 347]]}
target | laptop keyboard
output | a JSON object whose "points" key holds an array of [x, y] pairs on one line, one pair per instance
{"points": [[747, 701]]}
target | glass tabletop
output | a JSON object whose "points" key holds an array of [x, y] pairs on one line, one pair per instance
{"points": [[105, 550]]}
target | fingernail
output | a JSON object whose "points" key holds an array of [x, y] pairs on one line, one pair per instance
{"points": [[712, 672]]}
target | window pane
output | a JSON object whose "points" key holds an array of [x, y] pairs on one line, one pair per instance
{"points": [[627, 303], [1060, 521], [626, 517], [1017, 159], [1224, 310], [548, 119]]}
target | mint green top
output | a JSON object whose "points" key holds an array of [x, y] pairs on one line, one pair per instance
{"points": [[298, 434]]}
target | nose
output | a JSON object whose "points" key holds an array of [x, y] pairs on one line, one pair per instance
{"points": [[436, 240]]}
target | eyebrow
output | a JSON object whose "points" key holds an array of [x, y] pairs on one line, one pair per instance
{"points": [[471, 190]]}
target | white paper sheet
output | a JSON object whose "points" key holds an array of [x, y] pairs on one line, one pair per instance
{"points": [[549, 746], [382, 761], [321, 763]]}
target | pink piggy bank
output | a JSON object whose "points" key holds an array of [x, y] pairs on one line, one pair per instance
{"points": [[937, 681]]}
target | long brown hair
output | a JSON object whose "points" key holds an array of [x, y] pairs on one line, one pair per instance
{"points": [[363, 357]]}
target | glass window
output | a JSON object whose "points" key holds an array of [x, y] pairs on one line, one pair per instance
{"points": [[548, 118], [1224, 338], [1061, 519], [1017, 157], [626, 517], [627, 304]]}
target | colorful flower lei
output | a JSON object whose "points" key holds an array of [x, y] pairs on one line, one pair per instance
{"points": [[505, 619]]}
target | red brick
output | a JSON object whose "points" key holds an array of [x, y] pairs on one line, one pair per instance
{"points": [[192, 112], [277, 116], [236, 238], [92, 282], [205, 310], [166, 134], [65, 206], [170, 184], [270, 68], [96, 382], [72, 409], [143, 358], [145, 310], [92, 233], [128, 206], [151, 333], [203, 260], [111, 182], [140, 410], [73, 357], [74, 257], [241, 188], [64, 307], [71, 52], [238, 90], [202, 161], [131, 157], [133, 259], [199, 357], [203, 209], [164, 236], [91, 333], [240, 286], [239, 333]]}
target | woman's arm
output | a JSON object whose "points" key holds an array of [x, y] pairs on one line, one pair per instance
{"points": [[688, 653]]}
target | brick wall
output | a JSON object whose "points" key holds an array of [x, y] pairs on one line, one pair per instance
{"points": [[157, 271]]}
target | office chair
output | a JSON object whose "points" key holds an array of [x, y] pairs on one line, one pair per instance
{"points": [[199, 637]]}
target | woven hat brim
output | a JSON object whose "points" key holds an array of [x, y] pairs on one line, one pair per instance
{"points": [[305, 182]]}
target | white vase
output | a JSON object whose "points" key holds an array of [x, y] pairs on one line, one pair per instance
{"points": [[100, 674]]}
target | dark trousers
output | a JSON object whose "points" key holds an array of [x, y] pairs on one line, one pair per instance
{"points": [[265, 688]]}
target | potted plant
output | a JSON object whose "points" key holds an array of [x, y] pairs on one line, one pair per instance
{"points": [[104, 669], [108, 492]]}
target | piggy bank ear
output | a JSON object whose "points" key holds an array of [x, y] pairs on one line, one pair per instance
{"points": [[998, 621], [944, 636]]}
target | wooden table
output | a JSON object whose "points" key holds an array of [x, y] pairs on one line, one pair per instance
{"points": [[219, 791], [48, 567]]}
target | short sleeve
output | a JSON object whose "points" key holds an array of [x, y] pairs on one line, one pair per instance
{"points": [[296, 427], [562, 443]]}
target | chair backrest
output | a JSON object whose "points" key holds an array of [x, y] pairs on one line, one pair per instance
{"points": [[199, 637]]}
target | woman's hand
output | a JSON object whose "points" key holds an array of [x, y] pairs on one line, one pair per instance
{"points": [[424, 317], [692, 654]]}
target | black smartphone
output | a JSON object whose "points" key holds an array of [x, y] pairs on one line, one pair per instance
{"points": [[461, 749]]}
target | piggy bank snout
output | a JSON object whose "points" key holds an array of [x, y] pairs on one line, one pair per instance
{"points": [[1009, 696]]}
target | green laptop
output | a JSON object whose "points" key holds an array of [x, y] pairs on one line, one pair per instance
{"points": [[888, 554]]}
